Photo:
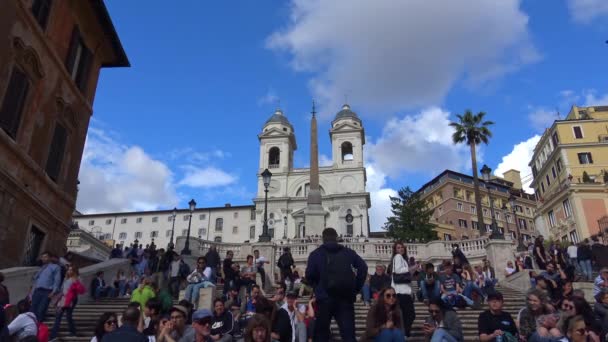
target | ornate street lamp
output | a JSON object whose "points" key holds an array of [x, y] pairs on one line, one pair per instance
{"points": [[520, 242], [174, 214], [186, 250], [284, 227], [266, 176], [361, 223], [485, 174]]}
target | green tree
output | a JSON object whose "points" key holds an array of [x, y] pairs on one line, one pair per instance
{"points": [[411, 218], [473, 130]]}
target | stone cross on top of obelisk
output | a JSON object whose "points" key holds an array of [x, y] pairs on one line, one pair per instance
{"points": [[314, 213]]}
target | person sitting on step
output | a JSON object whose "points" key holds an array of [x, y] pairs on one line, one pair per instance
{"points": [[443, 324], [451, 291], [384, 322], [198, 279]]}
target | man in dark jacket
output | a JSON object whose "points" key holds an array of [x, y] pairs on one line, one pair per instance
{"points": [[584, 259], [330, 272], [599, 251], [128, 331], [229, 273], [379, 280], [285, 264], [214, 262]]}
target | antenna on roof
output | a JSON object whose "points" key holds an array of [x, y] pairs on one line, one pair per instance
{"points": [[557, 113], [313, 108]]}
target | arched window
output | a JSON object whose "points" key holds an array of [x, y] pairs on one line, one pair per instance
{"points": [[274, 158], [219, 224], [347, 151], [217, 239], [303, 190]]}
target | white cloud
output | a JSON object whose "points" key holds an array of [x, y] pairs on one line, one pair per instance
{"points": [[388, 55], [270, 97], [325, 160], [518, 159], [380, 197], [116, 177], [542, 118], [207, 177], [585, 11], [592, 99], [423, 143]]}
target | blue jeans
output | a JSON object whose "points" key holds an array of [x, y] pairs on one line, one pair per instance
{"points": [[191, 293], [489, 286], [107, 291], [450, 298], [586, 268], [58, 315], [471, 287], [390, 335], [366, 292], [442, 335], [122, 287], [435, 290], [40, 303]]}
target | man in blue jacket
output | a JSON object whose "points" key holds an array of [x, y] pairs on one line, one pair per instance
{"points": [[330, 272]]}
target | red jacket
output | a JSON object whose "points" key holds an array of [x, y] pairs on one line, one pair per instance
{"points": [[75, 289]]}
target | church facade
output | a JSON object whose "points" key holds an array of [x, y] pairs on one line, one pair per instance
{"points": [[344, 199]]}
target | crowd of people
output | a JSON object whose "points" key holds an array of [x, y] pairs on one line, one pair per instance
{"points": [[334, 277]]}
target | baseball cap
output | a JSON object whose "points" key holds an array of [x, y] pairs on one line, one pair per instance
{"points": [[201, 314]]}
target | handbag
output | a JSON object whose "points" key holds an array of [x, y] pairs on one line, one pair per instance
{"points": [[401, 278]]}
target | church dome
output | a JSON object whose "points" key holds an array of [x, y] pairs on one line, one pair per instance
{"points": [[279, 118], [346, 113]]}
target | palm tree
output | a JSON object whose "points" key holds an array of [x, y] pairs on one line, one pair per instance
{"points": [[473, 131]]}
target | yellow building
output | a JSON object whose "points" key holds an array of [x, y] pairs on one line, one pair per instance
{"points": [[570, 170]]}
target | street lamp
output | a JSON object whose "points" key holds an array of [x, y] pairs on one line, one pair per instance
{"points": [[284, 227], [485, 173], [520, 242], [174, 214], [266, 176], [186, 250]]}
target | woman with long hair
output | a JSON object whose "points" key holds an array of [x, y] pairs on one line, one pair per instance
{"points": [[400, 281], [536, 306], [384, 322], [471, 282], [258, 329], [539, 253], [106, 323], [71, 288]]}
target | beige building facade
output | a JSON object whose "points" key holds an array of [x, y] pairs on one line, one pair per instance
{"points": [[570, 170], [452, 197]]}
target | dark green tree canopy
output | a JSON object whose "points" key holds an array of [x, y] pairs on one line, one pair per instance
{"points": [[411, 218]]}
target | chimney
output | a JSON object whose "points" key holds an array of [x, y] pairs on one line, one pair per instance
{"points": [[227, 205], [514, 177]]}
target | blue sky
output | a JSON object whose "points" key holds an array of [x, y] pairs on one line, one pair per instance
{"points": [[182, 122]]}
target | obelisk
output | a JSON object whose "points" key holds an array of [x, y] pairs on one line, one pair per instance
{"points": [[314, 213]]}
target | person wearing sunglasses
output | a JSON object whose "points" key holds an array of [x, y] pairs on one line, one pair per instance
{"points": [[442, 324], [577, 330], [128, 331], [106, 323], [496, 322], [384, 322], [201, 322]]}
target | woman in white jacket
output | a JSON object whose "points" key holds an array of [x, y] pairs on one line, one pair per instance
{"points": [[404, 291]]}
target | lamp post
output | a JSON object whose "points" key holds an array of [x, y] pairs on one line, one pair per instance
{"points": [[520, 242], [266, 176], [485, 173], [174, 214], [186, 250]]}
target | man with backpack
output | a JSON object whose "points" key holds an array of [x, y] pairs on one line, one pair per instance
{"points": [[285, 265], [330, 272]]}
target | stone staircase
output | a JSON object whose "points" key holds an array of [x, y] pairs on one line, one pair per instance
{"points": [[86, 315]]}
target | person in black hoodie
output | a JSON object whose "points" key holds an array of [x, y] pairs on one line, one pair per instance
{"points": [[330, 272], [214, 262], [584, 259], [222, 322], [285, 264]]}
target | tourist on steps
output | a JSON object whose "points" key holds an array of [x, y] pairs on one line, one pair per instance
{"points": [[285, 264], [401, 279], [384, 322], [289, 323], [258, 329], [443, 324], [106, 323], [200, 278], [229, 273], [25, 326], [47, 282], [143, 293], [379, 281], [99, 288], [213, 261], [330, 272], [259, 263], [71, 288], [222, 322], [495, 322], [429, 284], [128, 330], [248, 274]]}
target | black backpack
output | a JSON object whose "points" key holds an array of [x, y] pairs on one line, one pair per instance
{"points": [[340, 278]]}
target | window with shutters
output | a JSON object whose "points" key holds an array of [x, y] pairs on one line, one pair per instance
{"points": [[219, 224], [13, 103], [122, 236], [585, 158], [56, 152], [138, 235], [79, 60], [41, 10]]}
